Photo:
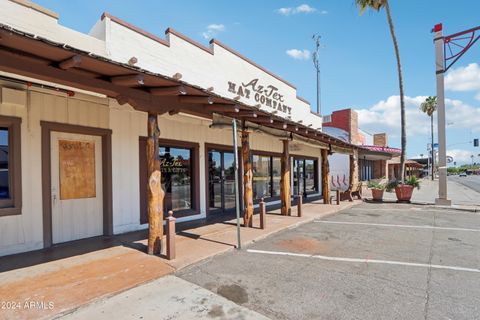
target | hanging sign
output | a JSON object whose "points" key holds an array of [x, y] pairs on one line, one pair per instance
{"points": [[265, 95]]}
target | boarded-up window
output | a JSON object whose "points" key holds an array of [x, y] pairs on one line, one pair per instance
{"points": [[77, 169]]}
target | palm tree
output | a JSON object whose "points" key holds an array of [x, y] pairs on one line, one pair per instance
{"points": [[429, 106], [377, 5]]}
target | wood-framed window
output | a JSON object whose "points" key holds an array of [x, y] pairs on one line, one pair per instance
{"points": [[10, 166], [266, 175], [180, 177]]}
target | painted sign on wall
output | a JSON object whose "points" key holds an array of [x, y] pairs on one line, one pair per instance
{"points": [[265, 95], [77, 169]]}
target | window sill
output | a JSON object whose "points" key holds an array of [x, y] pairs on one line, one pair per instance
{"points": [[14, 211]]}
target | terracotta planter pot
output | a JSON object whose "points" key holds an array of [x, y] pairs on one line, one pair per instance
{"points": [[404, 192], [377, 194]]}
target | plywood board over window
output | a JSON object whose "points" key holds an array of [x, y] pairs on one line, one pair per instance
{"points": [[77, 169]]}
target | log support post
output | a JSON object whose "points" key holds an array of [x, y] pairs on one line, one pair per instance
{"points": [[325, 177], [353, 173], [299, 205], [170, 235], [247, 181], [263, 214], [155, 194], [285, 181]]}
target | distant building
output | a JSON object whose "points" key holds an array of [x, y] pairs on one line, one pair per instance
{"points": [[376, 158]]}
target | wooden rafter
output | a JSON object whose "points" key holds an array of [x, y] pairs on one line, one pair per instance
{"points": [[69, 63], [195, 99], [169, 91], [129, 80]]}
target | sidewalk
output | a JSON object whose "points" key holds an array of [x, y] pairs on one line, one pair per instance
{"points": [[65, 284], [460, 195]]}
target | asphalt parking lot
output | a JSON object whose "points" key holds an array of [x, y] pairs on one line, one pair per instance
{"points": [[372, 261]]}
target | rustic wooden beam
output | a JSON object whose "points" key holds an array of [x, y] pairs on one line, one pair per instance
{"points": [[69, 63], [121, 99], [22, 65], [195, 99], [353, 183], [325, 176], [128, 81], [155, 194], [222, 107], [247, 181], [246, 113], [258, 120], [285, 195], [169, 91]]}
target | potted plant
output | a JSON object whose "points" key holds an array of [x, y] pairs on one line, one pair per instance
{"points": [[377, 190], [404, 190]]}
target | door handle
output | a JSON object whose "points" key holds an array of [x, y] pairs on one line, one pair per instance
{"points": [[54, 199]]}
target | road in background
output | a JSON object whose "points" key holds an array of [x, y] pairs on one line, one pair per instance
{"points": [[472, 182]]}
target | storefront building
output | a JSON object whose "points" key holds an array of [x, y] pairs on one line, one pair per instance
{"points": [[74, 110], [374, 153]]}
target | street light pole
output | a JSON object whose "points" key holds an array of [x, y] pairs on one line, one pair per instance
{"points": [[442, 145]]}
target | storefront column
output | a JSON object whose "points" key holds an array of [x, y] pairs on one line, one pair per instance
{"points": [[353, 170], [325, 177], [285, 197], [155, 194], [247, 180]]}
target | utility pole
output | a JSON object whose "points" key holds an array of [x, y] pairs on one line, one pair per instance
{"points": [[316, 63]]}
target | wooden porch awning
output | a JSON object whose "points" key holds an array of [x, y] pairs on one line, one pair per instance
{"points": [[35, 57]]}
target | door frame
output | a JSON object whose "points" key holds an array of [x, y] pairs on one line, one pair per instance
{"points": [[222, 148], [106, 135]]}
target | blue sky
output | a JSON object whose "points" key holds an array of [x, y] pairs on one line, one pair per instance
{"points": [[357, 60]]}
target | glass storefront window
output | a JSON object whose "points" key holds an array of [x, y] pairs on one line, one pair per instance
{"points": [[261, 176], [4, 159], [304, 176], [277, 174], [176, 168], [310, 176]]}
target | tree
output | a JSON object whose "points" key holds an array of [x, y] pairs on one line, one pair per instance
{"points": [[377, 5], [429, 106]]}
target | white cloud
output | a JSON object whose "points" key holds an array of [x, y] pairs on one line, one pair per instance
{"points": [[303, 8], [384, 116], [324, 12], [463, 78], [299, 54], [462, 156], [212, 30]]}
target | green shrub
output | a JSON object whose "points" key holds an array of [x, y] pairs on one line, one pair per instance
{"points": [[413, 181], [375, 185]]}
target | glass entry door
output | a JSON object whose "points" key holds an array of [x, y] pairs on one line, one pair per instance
{"points": [[221, 181], [304, 176], [298, 176]]}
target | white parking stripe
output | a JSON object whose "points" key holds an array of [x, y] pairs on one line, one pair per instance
{"points": [[356, 260], [396, 225]]}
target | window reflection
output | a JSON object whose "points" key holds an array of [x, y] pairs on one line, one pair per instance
{"points": [[176, 168]]}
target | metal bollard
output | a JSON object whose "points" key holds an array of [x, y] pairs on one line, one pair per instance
{"points": [[300, 200], [338, 197], [170, 232], [263, 214]]}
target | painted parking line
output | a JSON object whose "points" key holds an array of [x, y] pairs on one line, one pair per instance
{"points": [[396, 225], [357, 260]]}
